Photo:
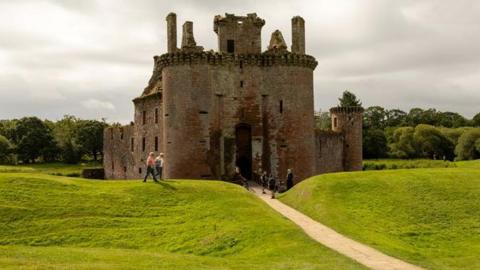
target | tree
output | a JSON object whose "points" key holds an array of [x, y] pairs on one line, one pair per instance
{"points": [[349, 99], [90, 136], [65, 132], [476, 120], [374, 143], [374, 117], [468, 145], [402, 144], [451, 119], [6, 150], [396, 118], [431, 143], [33, 139]]}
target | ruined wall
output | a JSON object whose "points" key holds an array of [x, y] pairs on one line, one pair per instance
{"points": [[148, 127], [349, 121], [118, 160], [329, 152], [245, 32]]}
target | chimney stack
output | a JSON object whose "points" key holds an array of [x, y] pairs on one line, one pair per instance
{"points": [[172, 32], [298, 35]]}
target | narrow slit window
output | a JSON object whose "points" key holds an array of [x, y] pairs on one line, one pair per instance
{"points": [[335, 122], [241, 84], [132, 144], [281, 106], [140, 170], [156, 143], [156, 115], [143, 144]]}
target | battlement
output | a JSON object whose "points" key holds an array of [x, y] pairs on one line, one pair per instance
{"points": [[353, 109], [215, 58]]}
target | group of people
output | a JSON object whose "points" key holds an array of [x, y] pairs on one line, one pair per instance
{"points": [[154, 167], [274, 184], [269, 182]]}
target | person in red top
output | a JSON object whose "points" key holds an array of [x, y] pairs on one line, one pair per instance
{"points": [[150, 167]]}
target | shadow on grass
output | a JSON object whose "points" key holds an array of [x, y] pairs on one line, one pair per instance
{"points": [[166, 185]]}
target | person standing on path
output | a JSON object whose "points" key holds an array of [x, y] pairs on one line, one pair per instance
{"points": [[264, 181], [289, 179], [150, 167], [159, 166]]}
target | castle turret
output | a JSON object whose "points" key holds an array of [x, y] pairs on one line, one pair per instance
{"points": [[239, 34], [171, 32], [348, 121], [298, 35]]}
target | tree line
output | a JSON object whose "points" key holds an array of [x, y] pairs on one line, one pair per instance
{"points": [[69, 140], [419, 133]]}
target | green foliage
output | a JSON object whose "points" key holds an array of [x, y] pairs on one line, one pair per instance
{"points": [[374, 117], [65, 132], [374, 143], [49, 222], [90, 136], [428, 217], [431, 143], [394, 164], [6, 150], [402, 144], [467, 147], [476, 120], [34, 139], [349, 99]]}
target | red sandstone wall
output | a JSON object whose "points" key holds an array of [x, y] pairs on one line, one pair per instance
{"points": [[329, 155], [117, 160], [349, 122]]}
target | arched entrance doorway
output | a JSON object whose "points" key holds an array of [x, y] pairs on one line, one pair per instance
{"points": [[243, 140]]}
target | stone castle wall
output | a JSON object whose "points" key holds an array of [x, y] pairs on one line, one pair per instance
{"points": [[199, 105], [329, 152]]}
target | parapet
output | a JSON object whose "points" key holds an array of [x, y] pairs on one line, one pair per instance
{"points": [[215, 58], [352, 109]]}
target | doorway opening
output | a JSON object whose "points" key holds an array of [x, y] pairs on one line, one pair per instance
{"points": [[243, 140]]}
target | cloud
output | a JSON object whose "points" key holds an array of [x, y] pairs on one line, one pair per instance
{"points": [[95, 104], [55, 53]]}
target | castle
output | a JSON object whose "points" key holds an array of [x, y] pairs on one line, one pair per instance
{"points": [[209, 111]]}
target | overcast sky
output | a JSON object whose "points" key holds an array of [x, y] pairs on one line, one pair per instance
{"points": [[91, 58]]}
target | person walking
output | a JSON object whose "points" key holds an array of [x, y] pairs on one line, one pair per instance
{"points": [[273, 184], [150, 167], [159, 166], [289, 179], [264, 181]]}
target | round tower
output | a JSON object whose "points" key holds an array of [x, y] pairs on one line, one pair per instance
{"points": [[348, 121]]}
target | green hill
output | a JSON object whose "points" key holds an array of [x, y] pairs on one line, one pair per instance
{"points": [[430, 217], [59, 222]]}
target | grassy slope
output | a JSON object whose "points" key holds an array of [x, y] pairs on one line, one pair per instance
{"points": [[50, 221], [430, 217]]}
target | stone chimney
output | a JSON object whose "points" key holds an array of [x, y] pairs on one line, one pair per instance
{"points": [[188, 41], [277, 43], [298, 35], [172, 32]]}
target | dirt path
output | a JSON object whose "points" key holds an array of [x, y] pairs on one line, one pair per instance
{"points": [[361, 253]]}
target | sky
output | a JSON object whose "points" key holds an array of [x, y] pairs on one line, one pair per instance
{"points": [[90, 58]]}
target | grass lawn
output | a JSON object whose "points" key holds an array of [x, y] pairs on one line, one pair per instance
{"points": [[59, 222], [60, 169], [430, 217]]}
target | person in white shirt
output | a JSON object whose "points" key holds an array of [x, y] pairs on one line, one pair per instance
{"points": [[159, 166]]}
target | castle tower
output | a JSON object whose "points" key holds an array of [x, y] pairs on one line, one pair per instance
{"points": [[348, 121], [298, 35], [239, 34]]}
